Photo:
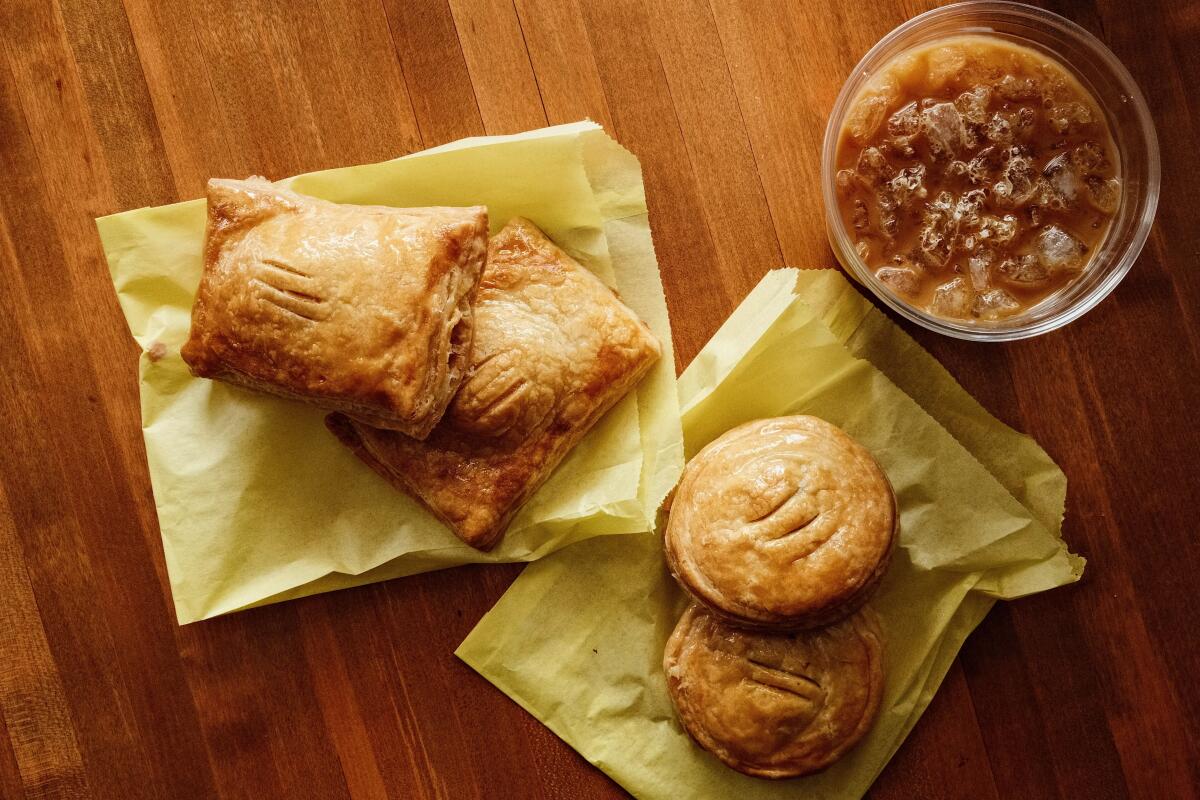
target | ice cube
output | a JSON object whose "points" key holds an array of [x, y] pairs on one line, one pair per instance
{"points": [[986, 163], [906, 121], [1059, 250], [997, 230], [897, 193], [1011, 87], [934, 246], [945, 130], [952, 299], [973, 104], [863, 249], [873, 166], [1063, 182], [1068, 117], [944, 64], [966, 210], [1023, 270], [942, 204], [901, 280], [1018, 182], [1089, 157], [844, 181], [1104, 193], [1048, 196], [1002, 192], [861, 218], [901, 146], [1024, 121], [889, 223], [998, 129], [867, 114], [907, 184], [956, 169], [938, 227], [994, 304], [979, 270]]}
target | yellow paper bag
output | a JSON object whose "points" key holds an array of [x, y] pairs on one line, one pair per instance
{"points": [[258, 503], [578, 639]]}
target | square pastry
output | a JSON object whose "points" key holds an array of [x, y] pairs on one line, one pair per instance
{"points": [[554, 349], [364, 310]]}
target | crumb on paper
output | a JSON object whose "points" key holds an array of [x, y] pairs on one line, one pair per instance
{"points": [[157, 351]]}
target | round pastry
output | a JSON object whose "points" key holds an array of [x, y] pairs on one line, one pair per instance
{"points": [[781, 524], [775, 705]]}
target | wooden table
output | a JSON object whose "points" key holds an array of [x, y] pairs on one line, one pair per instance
{"points": [[1091, 691]]}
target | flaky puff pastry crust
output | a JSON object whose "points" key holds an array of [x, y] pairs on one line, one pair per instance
{"points": [[775, 705], [554, 349], [781, 524], [359, 309]]}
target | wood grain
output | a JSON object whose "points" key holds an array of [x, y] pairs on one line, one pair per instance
{"points": [[106, 105]]}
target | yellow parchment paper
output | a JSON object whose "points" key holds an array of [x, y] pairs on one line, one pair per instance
{"points": [[258, 503], [578, 639]]}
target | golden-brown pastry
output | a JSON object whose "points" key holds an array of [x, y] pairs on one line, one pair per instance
{"points": [[781, 524], [775, 705], [361, 309], [554, 349]]}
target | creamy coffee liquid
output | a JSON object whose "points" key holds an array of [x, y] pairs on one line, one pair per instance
{"points": [[976, 177]]}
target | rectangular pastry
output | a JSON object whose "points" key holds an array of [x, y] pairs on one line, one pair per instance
{"points": [[554, 349], [364, 310]]}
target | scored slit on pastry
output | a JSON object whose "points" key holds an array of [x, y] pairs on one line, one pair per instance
{"points": [[360, 309], [554, 349], [773, 509], [275, 263], [292, 301], [787, 531], [782, 680]]}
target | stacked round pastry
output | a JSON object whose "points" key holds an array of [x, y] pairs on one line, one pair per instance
{"points": [[780, 530]]}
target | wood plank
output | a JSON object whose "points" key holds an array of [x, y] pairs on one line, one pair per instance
{"points": [[106, 105], [1168, 74], [340, 709], [930, 764], [102, 606], [258, 707], [644, 120], [714, 134], [498, 62], [117, 101], [568, 81], [360, 108], [189, 119], [11, 784], [115, 98], [786, 76], [1128, 664], [435, 72], [39, 736], [992, 665]]}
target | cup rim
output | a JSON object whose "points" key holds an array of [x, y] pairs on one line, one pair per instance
{"points": [[1121, 262]]}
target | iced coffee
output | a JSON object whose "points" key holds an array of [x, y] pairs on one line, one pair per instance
{"points": [[976, 177]]}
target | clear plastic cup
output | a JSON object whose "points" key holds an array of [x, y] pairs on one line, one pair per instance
{"points": [[1128, 119]]}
